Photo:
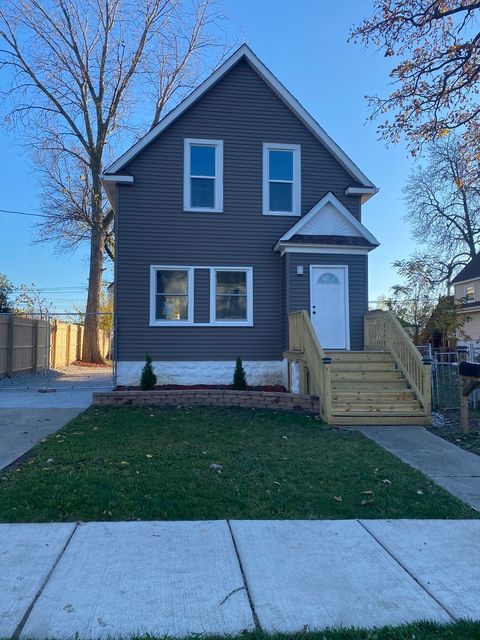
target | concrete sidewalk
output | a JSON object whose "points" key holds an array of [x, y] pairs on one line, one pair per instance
{"points": [[453, 468], [101, 580]]}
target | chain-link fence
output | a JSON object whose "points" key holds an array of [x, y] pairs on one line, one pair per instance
{"points": [[45, 351], [445, 383]]}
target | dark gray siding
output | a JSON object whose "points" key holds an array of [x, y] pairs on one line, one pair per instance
{"points": [[152, 227], [201, 310], [298, 287]]}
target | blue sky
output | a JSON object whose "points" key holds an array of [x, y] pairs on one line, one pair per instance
{"points": [[305, 44]]}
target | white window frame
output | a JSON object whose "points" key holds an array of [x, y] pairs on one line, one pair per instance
{"points": [[297, 179], [218, 189], [469, 286], [213, 298], [155, 322]]}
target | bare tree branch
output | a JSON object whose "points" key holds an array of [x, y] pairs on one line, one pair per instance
{"points": [[78, 70], [436, 80]]}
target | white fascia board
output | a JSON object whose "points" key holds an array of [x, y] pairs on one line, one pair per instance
{"points": [[278, 88], [117, 178], [365, 193], [109, 183], [329, 198], [321, 248]]}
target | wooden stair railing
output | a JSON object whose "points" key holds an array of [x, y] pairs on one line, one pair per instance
{"points": [[305, 347], [383, 332]]}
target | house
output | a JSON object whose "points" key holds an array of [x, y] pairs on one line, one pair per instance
{"points": [[466, 286], [234, 210]]}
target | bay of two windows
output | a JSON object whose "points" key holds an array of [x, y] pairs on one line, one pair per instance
{"points": [[203, 177], [172, 296]]}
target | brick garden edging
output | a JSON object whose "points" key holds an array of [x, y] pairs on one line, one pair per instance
{"points": [[210, 398]]}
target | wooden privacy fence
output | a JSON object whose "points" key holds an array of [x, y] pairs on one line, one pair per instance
{"points": [[31, 344], [23, 344], [66, 343]]}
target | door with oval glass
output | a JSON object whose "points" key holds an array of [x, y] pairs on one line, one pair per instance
{"points": [[329, 305]]}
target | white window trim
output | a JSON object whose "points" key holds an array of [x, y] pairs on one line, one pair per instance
{"points": [[154, 322], [470, 286], [213, 293], [297, 179], [218, 144]]}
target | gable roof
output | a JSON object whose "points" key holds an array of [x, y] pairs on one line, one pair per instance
{"points": [[469, 271], [329, 218], [244, 52]]}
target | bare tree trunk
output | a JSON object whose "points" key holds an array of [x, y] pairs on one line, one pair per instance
{"points": [[91, 342]]}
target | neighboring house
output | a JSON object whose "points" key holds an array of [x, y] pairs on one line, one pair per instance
{"points": [[467, 294], [234, 210]]}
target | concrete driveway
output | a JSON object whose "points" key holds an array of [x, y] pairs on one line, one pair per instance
{"points": [[27, 415], [119, 579]]}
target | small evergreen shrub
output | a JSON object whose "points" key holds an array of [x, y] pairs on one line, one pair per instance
{"points": [[239, 377], [148, 379]]}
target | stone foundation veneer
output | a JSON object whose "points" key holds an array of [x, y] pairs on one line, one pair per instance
{"points": [[187, 372], [210, 398]]}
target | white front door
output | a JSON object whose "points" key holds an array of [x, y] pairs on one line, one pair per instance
{"points": [[329, 306]]}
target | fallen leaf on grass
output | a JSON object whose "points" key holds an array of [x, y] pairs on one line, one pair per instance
{"points": [[386, 481], [216, 467], [365, 502], [149, 455], [367, 493], [338, 498]]}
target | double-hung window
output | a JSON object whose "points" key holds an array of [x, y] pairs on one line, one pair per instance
{"points": [[203, 175], [470, 293], [231, 295], [281, 179], [171, 290]]}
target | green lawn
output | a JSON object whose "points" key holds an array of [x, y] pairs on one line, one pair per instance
{"points": [[421, 631], [468, 441], [117, 463]]}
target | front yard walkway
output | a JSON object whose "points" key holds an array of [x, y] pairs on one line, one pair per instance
{"points": [[101, 580], [453, 468]]}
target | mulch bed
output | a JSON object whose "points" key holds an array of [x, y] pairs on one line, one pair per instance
{"points": [[80, 363], [185, 387]]}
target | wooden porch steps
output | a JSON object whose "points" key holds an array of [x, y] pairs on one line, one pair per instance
{"points": [[368, 388], [388, 383]]}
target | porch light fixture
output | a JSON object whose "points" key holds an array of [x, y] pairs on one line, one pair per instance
{"points": [[299, 269]]}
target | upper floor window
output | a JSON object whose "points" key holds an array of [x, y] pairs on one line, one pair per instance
{"points": [[470, 293], [281, 179], [203, 175]]}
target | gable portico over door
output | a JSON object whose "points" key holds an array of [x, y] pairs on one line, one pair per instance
{"points": [[329, 305]]}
